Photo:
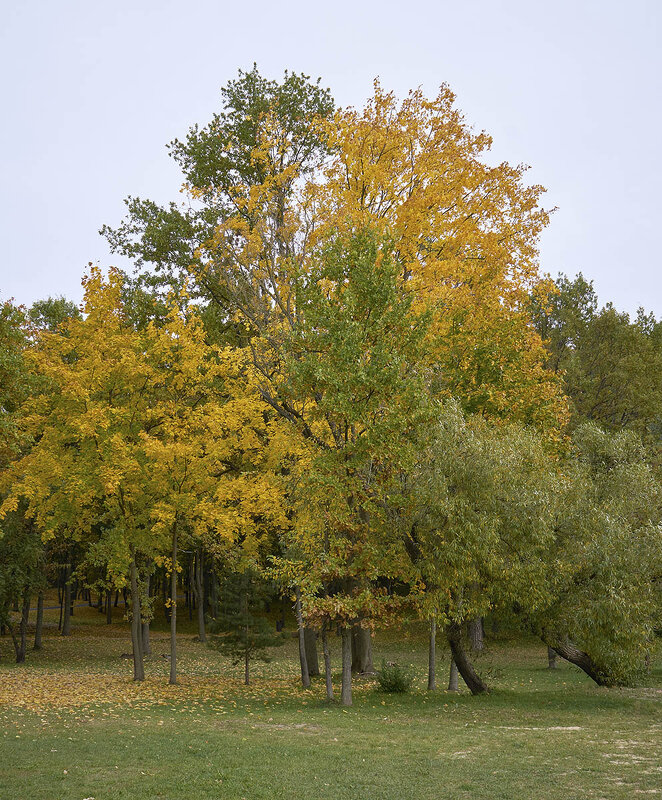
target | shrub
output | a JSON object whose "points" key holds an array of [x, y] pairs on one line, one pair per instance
{"points": [[394, 678]]}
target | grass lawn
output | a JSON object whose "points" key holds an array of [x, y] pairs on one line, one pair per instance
{"points": [[74, 726]]}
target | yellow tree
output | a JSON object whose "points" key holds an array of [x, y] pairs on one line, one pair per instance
{"points": [[135, 437], [465, 235], [207, 462]]}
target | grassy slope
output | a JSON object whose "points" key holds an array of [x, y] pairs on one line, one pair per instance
{"points": [[72, 725]]}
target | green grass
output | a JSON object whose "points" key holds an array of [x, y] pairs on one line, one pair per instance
{"points": [[540, 734]]}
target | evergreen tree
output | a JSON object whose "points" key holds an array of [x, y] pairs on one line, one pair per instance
{"points": [[240, 631]]}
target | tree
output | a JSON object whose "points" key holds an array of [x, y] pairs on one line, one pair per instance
{"points": [[350, 370], [606, 560], [217, 160], [135, 434], [610, 364], [240, 631], [482, 502]]}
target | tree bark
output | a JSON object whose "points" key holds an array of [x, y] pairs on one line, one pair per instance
{"points": [[109, 607], [214, 594], [310, 643], [432, 656], [173, 607], [147, 647], [361, 650], [303, 661], [136, 638], [570, 652], [476, 634], [198, 587], [327, 665], [452, 677], [464, 665], [346, 690], [551, 658], [23, 628], [40, 621], [66, 620]]}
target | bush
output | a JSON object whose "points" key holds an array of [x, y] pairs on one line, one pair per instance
{"points": [[394, 678]]}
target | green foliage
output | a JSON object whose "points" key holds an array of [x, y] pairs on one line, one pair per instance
{"points": [[604, 566], [15, 378], [482, 500], [240, 630], [49, 314], [393, 678], [215, 159], [611, 364]]}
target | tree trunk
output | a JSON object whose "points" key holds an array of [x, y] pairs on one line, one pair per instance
{"points": [[23, 628], [247, 679], [214, 594], [310, 642], [147, 647], [109, 607], [464, 665], [303, 661], [189, 592], [452, 677], [346, 690], [173, 607], [570, 652], [166, 608], [432, 656], [136, 638], [66, 620], [551, 658], [40, 621], [198, 587], [476, 634], [327, 665], [361, 650]]}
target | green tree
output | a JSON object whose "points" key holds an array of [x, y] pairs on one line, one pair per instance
{"points": [[611, 364], [240, 630], [606, 560]]}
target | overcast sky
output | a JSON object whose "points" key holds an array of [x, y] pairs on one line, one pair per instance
{"points": [[92, 91]]}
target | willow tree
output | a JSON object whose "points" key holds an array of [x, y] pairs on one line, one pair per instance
{"points": [[603, 568], [483, 501]]}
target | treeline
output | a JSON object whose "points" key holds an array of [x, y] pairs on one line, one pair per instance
{"points": [[337, 370]]}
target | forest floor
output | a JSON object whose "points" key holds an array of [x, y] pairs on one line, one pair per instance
{"points": [[73, 726]]}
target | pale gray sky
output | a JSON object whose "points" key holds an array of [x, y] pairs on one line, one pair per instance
{"points": [[92, 91]]}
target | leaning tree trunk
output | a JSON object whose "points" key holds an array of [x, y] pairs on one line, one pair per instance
{"points": [[432, 656], [551, 658], [327, 664], [361, 650], [136, 634], [464, 665], [346, 690], [198, 588], [40, 621], [310, 643], [303, 661], [452, 677], [570, 652], [173, 607]]}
